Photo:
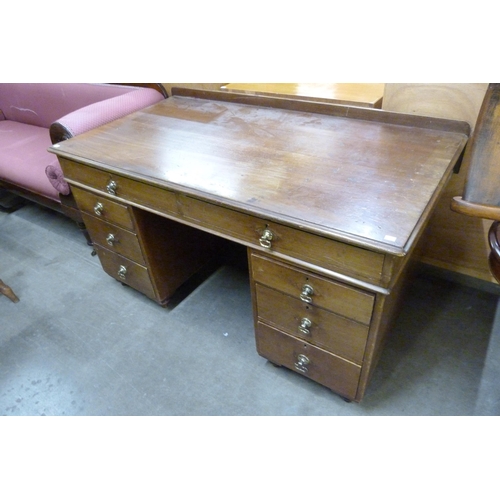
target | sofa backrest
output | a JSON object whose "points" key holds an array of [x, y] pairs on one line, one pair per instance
{"points": [[41, 104]]}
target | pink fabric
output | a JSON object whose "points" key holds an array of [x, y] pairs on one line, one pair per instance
{"points": [[103, 112], [24, 157], [27, 110], [41, 104]]}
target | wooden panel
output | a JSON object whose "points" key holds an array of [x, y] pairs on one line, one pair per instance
{"points": [[129, 189], [328, 294], [91, 177], [329, 370], [456, 101], [334, 333], [354, 94], [111, 211], [202, 86], [136, 275], [173, 251], [124, 242], [452, 241]]}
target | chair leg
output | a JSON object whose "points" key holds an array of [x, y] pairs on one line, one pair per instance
{"points": [[7, 291], [494, 258]]}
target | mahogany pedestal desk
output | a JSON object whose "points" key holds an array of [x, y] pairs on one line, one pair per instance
{"points": [[329, 200]]}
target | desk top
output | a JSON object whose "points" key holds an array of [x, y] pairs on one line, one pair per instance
{"points": [[363, 176], [354, 94]]}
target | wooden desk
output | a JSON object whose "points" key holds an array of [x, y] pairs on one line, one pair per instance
{"points": [[329, 200], [367, 95]]}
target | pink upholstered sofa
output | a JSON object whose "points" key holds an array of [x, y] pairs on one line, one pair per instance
{"points": [[35, 115]]}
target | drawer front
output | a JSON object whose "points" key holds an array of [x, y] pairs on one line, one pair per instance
{"points": [[317, 326], [314, 249], [126, 271], [337, 374], [129, 189], [103, 208], [114, 238], [312, 289]]}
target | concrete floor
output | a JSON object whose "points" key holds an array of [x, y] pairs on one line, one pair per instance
{"points": [[79, 343]]}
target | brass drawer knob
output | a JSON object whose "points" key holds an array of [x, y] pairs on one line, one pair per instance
{"points": [[304, 326], [111, 187], [98, 208], [307, 293], [301, 363], [111, 239], [266, 238], [122, 272]]}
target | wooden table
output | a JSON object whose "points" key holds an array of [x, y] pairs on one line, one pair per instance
{"points": [[367, 95], [329, 200]]}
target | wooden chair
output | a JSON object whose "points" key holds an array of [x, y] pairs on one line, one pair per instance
{"points": [[7, 291], [481, 197]]}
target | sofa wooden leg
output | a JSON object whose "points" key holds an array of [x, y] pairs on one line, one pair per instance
{"points": [[7, 291], [10, 202], [83, 229]]}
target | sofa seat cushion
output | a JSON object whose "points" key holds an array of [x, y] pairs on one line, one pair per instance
{"points": [[25, 146]]}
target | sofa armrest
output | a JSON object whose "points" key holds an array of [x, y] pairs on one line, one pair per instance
{"points": [[56, 177], [102, 112]]}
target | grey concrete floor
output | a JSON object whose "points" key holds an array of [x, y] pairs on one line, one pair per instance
{"points": [[79, 343]]}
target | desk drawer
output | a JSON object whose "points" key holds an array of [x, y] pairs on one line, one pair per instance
{"points": [[126, 271], [314, 249], [114, 238], [103, 208], [341, 299], [339, 375], [317, 326], [133, 191]]}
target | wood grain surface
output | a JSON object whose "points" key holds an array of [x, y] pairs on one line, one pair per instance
{"points": [[354, 94]]}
